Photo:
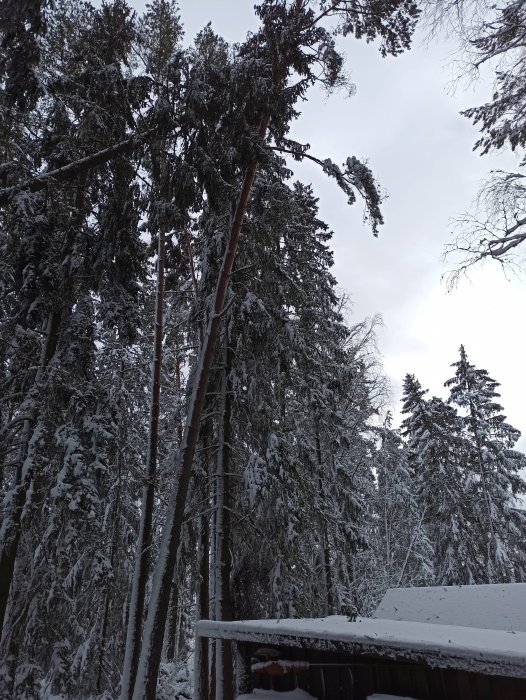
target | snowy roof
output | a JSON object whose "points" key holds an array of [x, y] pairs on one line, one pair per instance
{"points": [[494, 652], [298, 694], [494, 607]]}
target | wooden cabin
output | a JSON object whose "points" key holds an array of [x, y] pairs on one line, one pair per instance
{"points": [[441, 643]]}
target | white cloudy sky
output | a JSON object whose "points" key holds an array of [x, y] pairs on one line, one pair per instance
{"points": [[404, 118]]}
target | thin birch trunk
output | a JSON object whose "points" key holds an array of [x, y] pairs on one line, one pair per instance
{"points": [[144, 545], [212, 603], [150, 659]]}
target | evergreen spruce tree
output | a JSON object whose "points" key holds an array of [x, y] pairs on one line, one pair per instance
{"points": [[313, 460], [400, 471], [491, 470], [435, 447]]}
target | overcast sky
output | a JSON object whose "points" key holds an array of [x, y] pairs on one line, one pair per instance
{"points": [[404, 119]]}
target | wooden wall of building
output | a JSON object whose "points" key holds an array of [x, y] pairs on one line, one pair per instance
{"points": [[340, 676]]}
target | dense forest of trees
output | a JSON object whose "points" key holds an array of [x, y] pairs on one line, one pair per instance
{"points": [[189, 422]]}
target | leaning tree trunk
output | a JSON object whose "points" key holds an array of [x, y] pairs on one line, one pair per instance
{"points": [[150, 659], [144, 545]]}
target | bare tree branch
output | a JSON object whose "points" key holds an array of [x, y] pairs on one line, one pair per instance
{"points": [[496, 229]]}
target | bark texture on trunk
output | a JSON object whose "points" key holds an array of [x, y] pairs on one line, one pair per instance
{"points": [[171, 634], [107, 594]]}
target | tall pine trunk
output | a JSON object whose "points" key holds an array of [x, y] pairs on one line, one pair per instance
{"points": [[144, 545], [201, 666], [224, 686], [150, 659]]}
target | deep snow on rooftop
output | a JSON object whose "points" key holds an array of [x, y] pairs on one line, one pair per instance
{"points": [[490, 607], [488, 651]]}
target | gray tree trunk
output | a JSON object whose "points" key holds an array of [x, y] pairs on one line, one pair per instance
{"points": [[144, 544], [224, 686]]}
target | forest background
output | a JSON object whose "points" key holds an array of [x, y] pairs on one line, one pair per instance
{"points": [[191, 421]]}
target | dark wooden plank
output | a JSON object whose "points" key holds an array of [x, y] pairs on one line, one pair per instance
{"points": [[383, 677], [435, 684], [508, 688], [331, 677], [346, 682], [364, 681], [481, 687], [420, 685], [404, 679], [463, 686], [316, 682]]}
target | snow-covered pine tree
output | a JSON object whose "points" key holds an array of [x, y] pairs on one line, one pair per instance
{"points": [[491, 473]]}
